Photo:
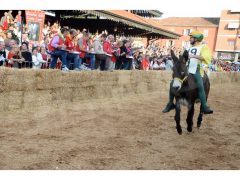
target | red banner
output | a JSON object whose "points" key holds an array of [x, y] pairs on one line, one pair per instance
{"points": [[35, 23]]}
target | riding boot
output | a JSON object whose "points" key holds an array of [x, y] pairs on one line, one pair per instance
{"points": [[170, 105], [201, 93]]}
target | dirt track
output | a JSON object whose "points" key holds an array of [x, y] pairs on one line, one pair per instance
{"points": [[126, 133]]}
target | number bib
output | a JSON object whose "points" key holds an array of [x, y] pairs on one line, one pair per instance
{"points": [[193, 62]]}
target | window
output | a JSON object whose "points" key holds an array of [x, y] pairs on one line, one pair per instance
{"points": [[231, 42], [186, 44], [233, 25], [205, 33], [186, 32]]}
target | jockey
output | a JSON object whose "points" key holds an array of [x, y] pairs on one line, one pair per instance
{"points": [[198, 54]]}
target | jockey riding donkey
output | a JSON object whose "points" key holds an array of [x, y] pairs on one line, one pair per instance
{"points": [[197, 54], [187, 83]]}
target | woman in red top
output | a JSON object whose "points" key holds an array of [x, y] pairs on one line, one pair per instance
{"points": [[6, 21], [108, 48], [145, 63], [116, 52], [45, 57], [15, 58]]}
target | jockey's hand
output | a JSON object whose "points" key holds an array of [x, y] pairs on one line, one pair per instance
{"points": [[191, 56]]}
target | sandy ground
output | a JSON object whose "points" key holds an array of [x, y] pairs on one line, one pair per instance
{"points": [[127, 133]]}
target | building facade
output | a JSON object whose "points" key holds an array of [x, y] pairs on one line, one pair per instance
{"points": [[185, 25], [228, 37]]}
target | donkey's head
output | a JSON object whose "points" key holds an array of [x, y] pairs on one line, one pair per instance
{"points": [[180, 72]]}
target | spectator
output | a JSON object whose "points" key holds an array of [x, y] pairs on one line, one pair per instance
{"points": [[108, 49], [18, 19], [25, 38], [129, 56], [37, 59], [10, 16], [100, 54], [169, 64], [162, 66], [116, 53], [2, 53], [15, 58], [45, 57], [57, 47], [8, 40], [26, 55], [154, 64], [5, 21], [145, 63], [2, 36], [123, 55], [71, 57], [8, 48]]}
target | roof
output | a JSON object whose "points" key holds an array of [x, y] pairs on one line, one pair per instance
{"points": [[135, 21], [190, 21], [147, 13]]}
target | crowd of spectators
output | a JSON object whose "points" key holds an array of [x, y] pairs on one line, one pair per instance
{"points": [[98, 51], [222, 65]]}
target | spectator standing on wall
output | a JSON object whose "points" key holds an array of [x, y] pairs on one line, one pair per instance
{"points": [[18, 19]]}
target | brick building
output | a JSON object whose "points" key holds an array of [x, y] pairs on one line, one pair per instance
{"points": [[228, 37], [185, 25]]}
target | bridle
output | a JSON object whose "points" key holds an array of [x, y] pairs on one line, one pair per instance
{"points": [[181, 80]]}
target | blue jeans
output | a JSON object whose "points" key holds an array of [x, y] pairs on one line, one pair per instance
{"points": [[92, 60], [125, 64], [58, 54], [75, 59]]}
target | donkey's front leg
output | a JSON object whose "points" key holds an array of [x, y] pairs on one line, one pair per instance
{"points": [[199, 122], [190, 118], [177, 117]]}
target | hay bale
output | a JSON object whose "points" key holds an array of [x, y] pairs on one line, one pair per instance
{"points": [[26, 88]]}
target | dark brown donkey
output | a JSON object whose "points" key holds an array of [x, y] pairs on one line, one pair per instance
{"points": [[184, 89]]}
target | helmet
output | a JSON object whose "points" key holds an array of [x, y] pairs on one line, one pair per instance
{"points": [[196, 34]]}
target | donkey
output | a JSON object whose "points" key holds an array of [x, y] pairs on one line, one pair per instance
{"points": [[186, 92]]}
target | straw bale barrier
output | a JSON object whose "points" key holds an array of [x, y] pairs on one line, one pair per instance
{"points": [[26, 88]]}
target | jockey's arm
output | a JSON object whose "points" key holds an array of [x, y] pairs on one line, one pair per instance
{"points": [[199, 57], [205, 55]]}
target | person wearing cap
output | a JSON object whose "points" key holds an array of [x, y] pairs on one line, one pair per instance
{"points": [[198, 54], [57, 49]]}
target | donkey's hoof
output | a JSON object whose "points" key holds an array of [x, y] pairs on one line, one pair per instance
{"points": [[199, 125], [189, 129], [179, 130]]}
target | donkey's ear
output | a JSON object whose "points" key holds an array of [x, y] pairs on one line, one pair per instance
{"points": [[174, 57], [185, 55]]}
